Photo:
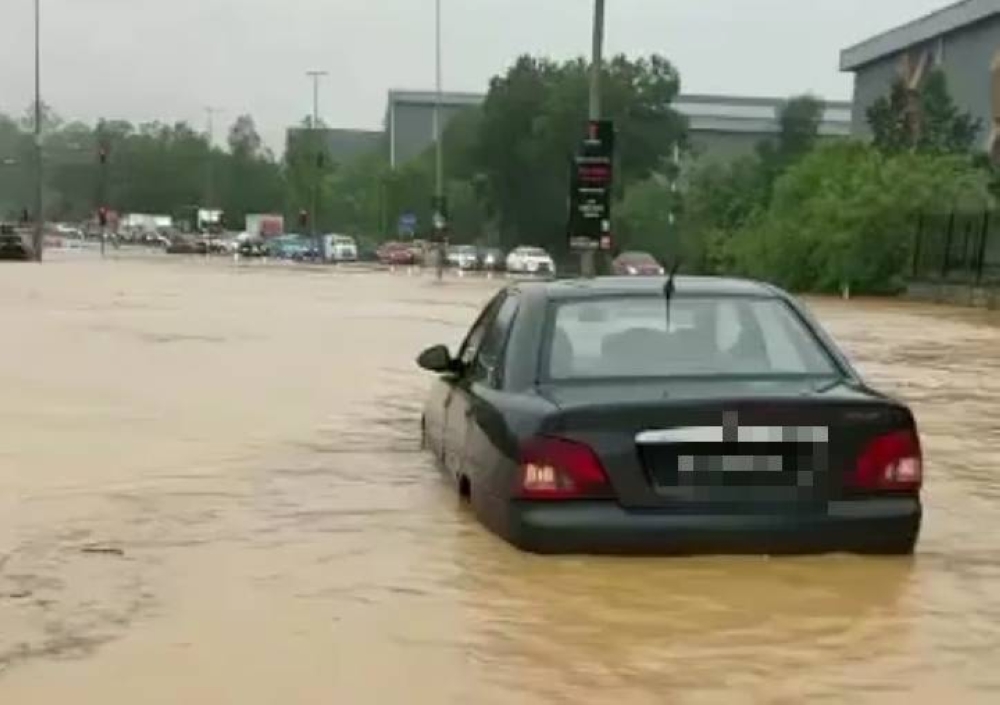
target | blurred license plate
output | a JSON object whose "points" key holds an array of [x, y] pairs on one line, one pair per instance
{"points": [[730, 463]]}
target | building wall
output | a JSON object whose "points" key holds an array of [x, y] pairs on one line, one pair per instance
{"points": [[966, 56], [411, 128], [871, 83]]}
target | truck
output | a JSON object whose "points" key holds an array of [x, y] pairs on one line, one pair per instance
{"points": [[265, 225]]}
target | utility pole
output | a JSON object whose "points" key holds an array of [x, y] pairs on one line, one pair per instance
{"points": [[588, 256], [39, 175], [210, 203], [440, 209], [318, 163]]}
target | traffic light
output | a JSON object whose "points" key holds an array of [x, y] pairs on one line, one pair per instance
{"points": [[25, 216], [102, 155], [102, 216], [303, 218]]}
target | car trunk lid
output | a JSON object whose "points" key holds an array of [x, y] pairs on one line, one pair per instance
{"points": [[739, 444]]}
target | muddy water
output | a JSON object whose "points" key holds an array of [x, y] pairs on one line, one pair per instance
{"points": [[211, 492]]}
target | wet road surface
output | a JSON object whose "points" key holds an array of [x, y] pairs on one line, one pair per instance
{"points": [[211, 492]]}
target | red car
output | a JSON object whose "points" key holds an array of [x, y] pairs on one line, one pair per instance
{"points": [[636, 264], [396, 253]]}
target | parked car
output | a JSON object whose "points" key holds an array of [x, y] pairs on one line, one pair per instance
{"points": [[183, 245], [396, 254], [491, 259], [696, 415], [341, 248], [636, 264], [530, 260], [252, 249], [464, 257], [13, 246]]}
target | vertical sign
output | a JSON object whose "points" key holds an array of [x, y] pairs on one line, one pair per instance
{"points": [[590, 188]]}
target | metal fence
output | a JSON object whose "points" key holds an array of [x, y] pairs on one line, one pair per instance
{"points": [[958, 247]]}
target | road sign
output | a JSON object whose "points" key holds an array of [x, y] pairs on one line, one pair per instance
{"points": [[408, 224], [591, 180]]}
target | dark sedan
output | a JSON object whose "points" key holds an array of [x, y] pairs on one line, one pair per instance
{"points": [[623, 415], [13, 245]]}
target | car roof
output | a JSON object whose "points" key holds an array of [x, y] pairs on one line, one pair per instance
{"points": [[598, 287]]}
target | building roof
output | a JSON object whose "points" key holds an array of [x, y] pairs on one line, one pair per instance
{"points": [[705, 113], [944, 21]]}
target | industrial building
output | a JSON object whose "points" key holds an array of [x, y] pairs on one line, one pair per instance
{"points": [[721, 127], [963, 40]]}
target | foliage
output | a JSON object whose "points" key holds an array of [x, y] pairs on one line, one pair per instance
{"points": [[532, 123], [842, 216], [924, 120], [646, 219]]}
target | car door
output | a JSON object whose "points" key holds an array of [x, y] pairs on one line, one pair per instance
{"points": [[472, 409], [454, 414]]}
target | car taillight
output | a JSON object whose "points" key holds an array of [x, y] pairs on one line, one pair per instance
{"points": [[893, 461], [556, 468]]}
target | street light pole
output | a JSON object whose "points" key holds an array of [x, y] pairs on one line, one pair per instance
{"points": [[439, 203], [38, 234], [588, 256], [314, 127], [210, 114]]}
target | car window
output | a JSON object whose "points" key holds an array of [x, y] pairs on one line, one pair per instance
{"points": [[488, 363], [629, 337], [473, 341]]}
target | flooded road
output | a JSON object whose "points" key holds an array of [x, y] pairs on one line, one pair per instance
{"points": [[211, 492]]}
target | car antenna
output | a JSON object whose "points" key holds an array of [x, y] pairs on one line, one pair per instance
{"points": [[669, 288]]}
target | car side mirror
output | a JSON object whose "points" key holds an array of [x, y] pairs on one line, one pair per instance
{"points": [[437, 359]]}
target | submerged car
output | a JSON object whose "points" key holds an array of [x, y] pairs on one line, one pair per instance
{"points": [[670, 416], [636, 264]]}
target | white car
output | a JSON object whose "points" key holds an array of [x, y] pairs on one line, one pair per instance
{"points": [[463, 256], [341, 248], [530, 260]]}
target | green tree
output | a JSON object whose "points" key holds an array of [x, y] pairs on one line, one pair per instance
{"points": [[842, 217], [924, 120]]}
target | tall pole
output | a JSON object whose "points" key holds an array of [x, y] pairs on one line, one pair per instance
{"points": [[314, 129], [210, 114], [39, 176], [597, 61], [588, 257], [439, 152], [439, 204]]}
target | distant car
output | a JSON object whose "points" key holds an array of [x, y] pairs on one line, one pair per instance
{"points": [[252, 249], [12, 246], [636, 264], [530, 260], [186, 246], [491, 259], [622, 415], [463, 257], [396, 254], [342, 248]]}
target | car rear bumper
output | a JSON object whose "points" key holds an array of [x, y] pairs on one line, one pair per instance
{"points": [[880, 526]]}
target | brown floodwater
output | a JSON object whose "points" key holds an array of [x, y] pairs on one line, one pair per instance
{"points": [[211, 492]]}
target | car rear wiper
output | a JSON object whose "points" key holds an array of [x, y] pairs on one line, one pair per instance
{"points": [[669, 288]]}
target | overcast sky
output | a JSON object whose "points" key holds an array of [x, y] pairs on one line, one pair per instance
{"points": [[168, 59]]}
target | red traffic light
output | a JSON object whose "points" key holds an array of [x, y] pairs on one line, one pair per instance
{"points": [[102, 216]]}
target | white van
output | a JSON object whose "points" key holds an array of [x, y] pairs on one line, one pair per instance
{"points": [[340, 248]]}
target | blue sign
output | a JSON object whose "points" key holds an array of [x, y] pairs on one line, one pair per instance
{"points": [[407, 224]]}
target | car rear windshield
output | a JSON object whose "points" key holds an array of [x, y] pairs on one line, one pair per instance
{"points": [[532, 251], [628, 337]]}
